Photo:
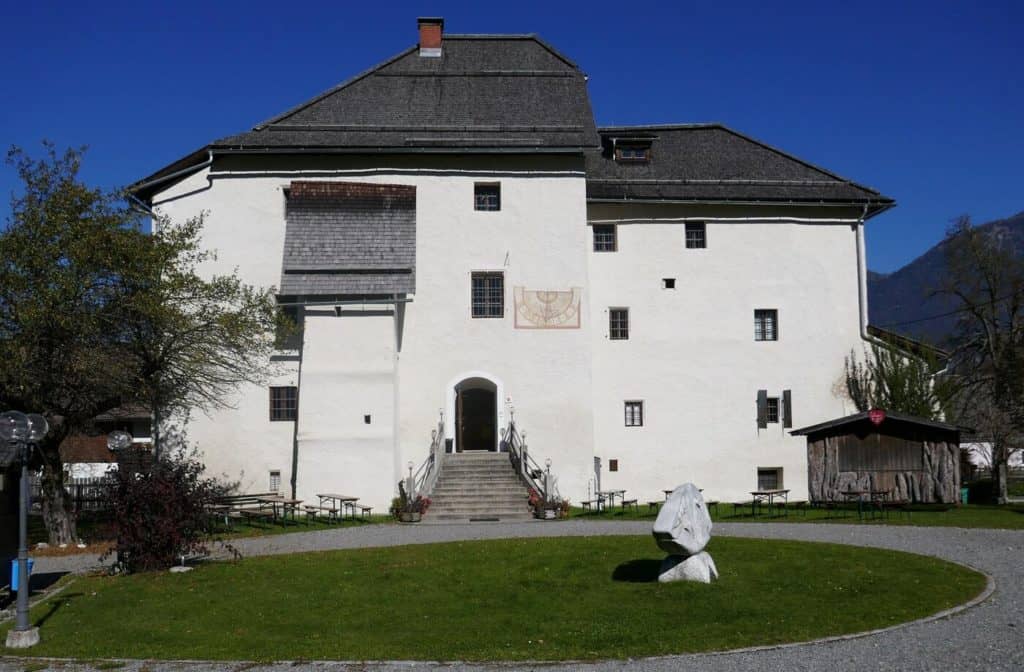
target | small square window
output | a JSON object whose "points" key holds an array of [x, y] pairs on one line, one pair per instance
{"points": [[613, 465], [769, 478], [633, 153], [366, 419], [605, 238], [275, 481], [284, 403], [766, 325], [618, 324], [696, 236], [668, 283], [487, 196], [772, 410], [634, 414], [488, 294]]}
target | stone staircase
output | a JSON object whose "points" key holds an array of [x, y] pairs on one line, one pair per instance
{"points": [[478, 486]]}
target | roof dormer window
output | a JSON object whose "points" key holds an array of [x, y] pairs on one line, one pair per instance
{"points": [[632, 153]]}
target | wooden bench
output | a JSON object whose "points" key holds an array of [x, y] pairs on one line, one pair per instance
{"points": [[312, 511], [364, 510], [749, 504], [242, 507], [590, 504], [654, 506], [632, 503], [253, 514]]}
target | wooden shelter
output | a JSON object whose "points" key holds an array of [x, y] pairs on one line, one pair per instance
{"points": [[912, 459]]}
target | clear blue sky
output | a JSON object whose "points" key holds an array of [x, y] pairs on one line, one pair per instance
{"points": [[923, 101]]}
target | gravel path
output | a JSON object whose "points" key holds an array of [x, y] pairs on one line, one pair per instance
{"points": [[989, 636]]}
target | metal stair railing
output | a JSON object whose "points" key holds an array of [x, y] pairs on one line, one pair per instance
{"points": [[529, 472], [425, 478]]}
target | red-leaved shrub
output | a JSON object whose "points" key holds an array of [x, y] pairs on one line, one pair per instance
{"points": [[163, 514]]}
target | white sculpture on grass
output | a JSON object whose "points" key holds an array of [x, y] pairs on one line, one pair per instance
{"points": [[683, 529]]}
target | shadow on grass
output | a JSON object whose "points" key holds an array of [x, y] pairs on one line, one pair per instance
{"points": [[38, 582], [54, 605], [638, 571]]}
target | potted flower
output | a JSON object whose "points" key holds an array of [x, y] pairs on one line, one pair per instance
{"points": [[409, 509], [548, 509]]}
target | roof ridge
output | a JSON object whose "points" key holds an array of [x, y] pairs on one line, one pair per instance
{"points": [[668, 126]]}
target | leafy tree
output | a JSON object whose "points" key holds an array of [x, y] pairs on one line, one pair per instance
{"points": [[896, 380], [985, 275], [95, 312]]}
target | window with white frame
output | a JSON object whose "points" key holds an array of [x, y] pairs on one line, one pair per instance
{"points": [[766, 324], [618, 324], [487, 196], [696, 236], [284, 403], [605, 238], [634, 414], [488, 294]]}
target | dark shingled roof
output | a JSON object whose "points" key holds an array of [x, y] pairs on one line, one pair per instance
{"points": [[349, 238], [508, 92], [709, 162], [889, 417]]}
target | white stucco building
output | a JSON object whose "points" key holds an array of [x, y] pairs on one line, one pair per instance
{"points": [[462, 243]]}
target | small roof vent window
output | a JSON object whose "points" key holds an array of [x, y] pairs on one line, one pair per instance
{"points": [[631, 150]]}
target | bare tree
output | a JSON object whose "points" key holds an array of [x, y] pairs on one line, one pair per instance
{"points": [[985, 275]]}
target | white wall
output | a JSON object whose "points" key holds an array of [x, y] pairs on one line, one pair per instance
{"points": [[691, 355], [538, 239]]}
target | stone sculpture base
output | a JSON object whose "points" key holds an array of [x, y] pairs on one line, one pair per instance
{"points": [[699, 567]]}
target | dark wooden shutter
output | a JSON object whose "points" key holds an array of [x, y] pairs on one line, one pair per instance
{"points": [[762, 409], [787, 408]]}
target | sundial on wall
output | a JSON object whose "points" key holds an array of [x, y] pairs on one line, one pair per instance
{"points": [[547, 309]]}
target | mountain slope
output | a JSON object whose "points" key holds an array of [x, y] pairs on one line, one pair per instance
{"points": [[903, 301]]}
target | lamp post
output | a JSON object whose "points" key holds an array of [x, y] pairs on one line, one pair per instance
{"points": [[24, 431], [547, 479], [118, 440]]}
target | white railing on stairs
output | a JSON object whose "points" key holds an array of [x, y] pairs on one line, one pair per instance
{"points": [[527, 469], [425, 478]]}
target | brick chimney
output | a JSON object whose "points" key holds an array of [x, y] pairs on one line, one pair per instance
{"points": [[431, 31]]}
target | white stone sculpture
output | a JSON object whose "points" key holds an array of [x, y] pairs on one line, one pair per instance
{"points": [[683, 529]]}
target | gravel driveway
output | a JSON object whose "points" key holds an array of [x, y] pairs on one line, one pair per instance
{"points": [[989, 636]]}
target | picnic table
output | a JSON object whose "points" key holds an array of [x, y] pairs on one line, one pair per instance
{"points": [[282, 507], [336, 502], [768, 497], [873, 499], [610, 495]]}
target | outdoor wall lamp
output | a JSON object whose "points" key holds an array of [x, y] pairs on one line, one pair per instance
{"points": [[22, 432]]}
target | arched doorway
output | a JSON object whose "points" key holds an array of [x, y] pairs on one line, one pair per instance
{"points": [[476, 415]]}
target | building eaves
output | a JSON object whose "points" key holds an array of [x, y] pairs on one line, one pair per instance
{"points": [[864, 416]]}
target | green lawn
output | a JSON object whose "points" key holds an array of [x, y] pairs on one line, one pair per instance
{"points": [[554, 599], [95, 528], [972, 515]]}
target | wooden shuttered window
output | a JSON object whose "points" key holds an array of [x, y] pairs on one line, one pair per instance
{"points": [[774, 409]]}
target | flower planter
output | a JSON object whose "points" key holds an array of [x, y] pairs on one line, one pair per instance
{"points": [[409, 516]]}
